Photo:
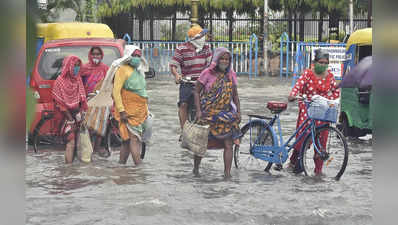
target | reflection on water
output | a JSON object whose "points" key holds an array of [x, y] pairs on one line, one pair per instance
{"points": [[163, 190]]}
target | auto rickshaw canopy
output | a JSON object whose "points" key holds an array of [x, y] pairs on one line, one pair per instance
{"points": [[55, 31], [360, 38]]}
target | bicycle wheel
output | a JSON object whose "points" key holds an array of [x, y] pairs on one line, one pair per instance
{"points": [[243, 158], [333, 143], [45, 137]]}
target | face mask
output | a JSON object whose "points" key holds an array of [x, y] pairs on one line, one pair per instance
{"points": [[199, 43], [96, 61], [320, 68], [222, 66], [135, 62], [76, 70]]}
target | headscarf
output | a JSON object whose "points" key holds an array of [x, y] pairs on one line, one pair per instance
{"points": [[321, 54], [103, 98], [68, 90], [92, 72], [193, 33], [218, 52]]}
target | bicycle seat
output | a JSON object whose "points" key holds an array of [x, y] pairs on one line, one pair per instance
{"points": [[276, 107]]}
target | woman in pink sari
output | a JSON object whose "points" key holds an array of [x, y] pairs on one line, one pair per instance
{"points": [[92, 74]]}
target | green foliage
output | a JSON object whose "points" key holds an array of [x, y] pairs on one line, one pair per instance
{"points": [[53, 7], [181, 31]]}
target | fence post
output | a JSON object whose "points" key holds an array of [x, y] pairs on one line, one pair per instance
{"points": [[296, 66], [250, 56], [284, 39], [256, 56], [127, 38]]}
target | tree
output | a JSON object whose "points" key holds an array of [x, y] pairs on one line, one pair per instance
{"points": [[53, 7]]}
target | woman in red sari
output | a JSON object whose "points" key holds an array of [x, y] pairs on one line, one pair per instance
{"points": [[315, 81], [70, 99]]}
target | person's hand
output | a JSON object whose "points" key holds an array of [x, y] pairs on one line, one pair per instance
{"points": [[178, 78], [238, 116], [78, 117], [291, 98], [123, 117]]}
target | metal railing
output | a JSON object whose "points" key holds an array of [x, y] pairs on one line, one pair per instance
{"points": [[159, 53]]}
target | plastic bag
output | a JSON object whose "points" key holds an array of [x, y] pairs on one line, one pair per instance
{"points": [[147, 133], [84, 148]]}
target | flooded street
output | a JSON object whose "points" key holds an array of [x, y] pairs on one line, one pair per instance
{"points": [[163, 189]]}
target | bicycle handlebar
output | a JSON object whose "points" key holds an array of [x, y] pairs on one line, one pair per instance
{"points": [[187, 80]]}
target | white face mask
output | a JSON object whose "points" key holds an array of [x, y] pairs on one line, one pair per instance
{"points": [[96, 61], [199, 43]]}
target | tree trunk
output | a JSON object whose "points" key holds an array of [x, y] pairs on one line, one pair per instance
{"points": [[370, 13], [141, 28], [301, 28], [231, 21], [261, 44], [290, 27], [295, 26], [320, 26], [211, 26], [173, 26], [151, 27]]}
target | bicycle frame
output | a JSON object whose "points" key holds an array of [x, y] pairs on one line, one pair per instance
{"points": [[279, 152]]}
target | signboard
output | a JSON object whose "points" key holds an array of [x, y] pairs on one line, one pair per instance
{"points": [[337, 57]]}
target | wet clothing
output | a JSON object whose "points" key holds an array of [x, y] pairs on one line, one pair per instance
{"points": [[92, 74], [217, 102], [69, 95], [186, 93], [101, 105], [310, 85], [129, 94]]}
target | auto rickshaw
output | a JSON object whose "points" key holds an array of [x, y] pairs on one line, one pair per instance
{"points": [[355, 116]]}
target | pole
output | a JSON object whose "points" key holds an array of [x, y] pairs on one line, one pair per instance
{"points": [[265, 39], [351, 16], [194, 12], [369, 13]]}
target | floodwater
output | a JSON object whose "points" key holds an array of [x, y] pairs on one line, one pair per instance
{"points": [[163, 189]]}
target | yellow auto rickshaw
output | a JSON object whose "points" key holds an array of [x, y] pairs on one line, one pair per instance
{"points": [[55, 31]]}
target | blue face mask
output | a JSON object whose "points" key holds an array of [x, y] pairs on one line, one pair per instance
{"points": [[76, 70], [135, 62]]}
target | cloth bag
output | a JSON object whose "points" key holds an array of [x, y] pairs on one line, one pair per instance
{"points": [[84, 147], [195, 138]]}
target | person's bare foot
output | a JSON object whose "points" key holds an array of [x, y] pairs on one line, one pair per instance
{"points": [[227, 176]]}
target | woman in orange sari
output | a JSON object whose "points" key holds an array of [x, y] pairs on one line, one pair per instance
{"points": [[131, 107]]}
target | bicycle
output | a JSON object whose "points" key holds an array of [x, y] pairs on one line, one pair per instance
{"points": [[267, 146]]}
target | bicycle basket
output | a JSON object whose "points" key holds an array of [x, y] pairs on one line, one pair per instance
{"points": [[323, 112]]}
